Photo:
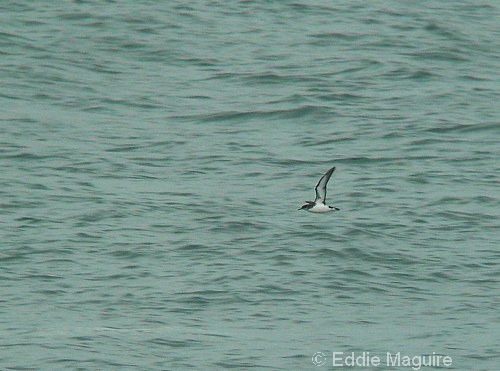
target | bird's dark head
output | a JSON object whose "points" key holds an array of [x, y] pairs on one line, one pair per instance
{"points": [[307, 205]]}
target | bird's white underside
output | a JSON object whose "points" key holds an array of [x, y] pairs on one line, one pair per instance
{"points": [[320, 208]]}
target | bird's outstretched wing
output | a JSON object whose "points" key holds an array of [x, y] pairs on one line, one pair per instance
{"points": [[321, 186]]}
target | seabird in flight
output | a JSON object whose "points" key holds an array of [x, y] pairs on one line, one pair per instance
{"points": [[318, 205]]}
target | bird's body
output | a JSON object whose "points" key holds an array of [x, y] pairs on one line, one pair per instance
{"points": [[321, 208], [319, 205]]}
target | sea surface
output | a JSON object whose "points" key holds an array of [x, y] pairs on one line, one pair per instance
{"points": [[153, 156]]}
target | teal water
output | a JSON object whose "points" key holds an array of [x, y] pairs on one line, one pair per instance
{"points": [[154, 155]]}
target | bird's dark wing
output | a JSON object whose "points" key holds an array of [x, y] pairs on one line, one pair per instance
{"points": [[321, 186]]}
